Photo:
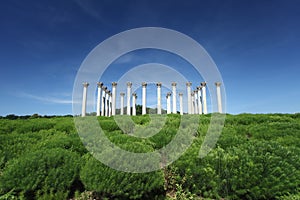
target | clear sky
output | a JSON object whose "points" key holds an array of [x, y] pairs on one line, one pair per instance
{"points": [[255, 44]]}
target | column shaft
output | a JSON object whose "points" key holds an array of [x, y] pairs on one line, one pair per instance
{"points": [[99, 92], [168, 103], [188, 87], [84, 98], [199, 101], [196, 101], [103, 107], [180, 104], [134, 104], [174, 98], [158, 98], [110, 104], [113, 98], [203, 84], [193, 103], [219, 98], [122, 103], [144, 85], [106, 103], [129, 84]]}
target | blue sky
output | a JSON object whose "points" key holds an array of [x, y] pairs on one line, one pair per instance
{"points": [[255, 44]]}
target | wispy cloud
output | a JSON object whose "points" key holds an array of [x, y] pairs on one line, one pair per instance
{"points": [[90, 8], [126, 59], [46, 99]]}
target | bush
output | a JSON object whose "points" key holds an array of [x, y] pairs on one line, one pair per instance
{"points": [[111, 183], [253, 170], [44, 171]]}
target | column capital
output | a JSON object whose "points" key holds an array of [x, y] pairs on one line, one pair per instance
{"points": [[158, 84], [218, 84], [199, 88], [85, 84], [129, 84], [144, 84], [114, 83], [180, 94], [108, 92], [192, 94], [188, 83], [174, 84], [100, 84], [122, 94], [168, 94], [203, 84], [104, 88], [195, 91], [134, 94]]}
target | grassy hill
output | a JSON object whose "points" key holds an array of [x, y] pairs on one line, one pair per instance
{"points": [[256, 157]]}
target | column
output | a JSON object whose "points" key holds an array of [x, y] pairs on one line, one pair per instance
{"points": [[99, 84], [84, 96], [196, 101], [122, 103], [188, 87], [103, 103], [193, 103], [144, 85], [158, 98], [110, 104], [174, 98], [134, 103], [203, 84], [113, 98], [129, 84], [180, 104], [106, 102], [219, 98], [199, 100], [168, 103]]}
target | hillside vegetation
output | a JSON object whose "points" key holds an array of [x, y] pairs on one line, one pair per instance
{"points": [[256, 157]]}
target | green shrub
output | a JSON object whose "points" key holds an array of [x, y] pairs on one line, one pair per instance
{"points": [[252, 170], [42, 171], [256, 157], [111, 183]]}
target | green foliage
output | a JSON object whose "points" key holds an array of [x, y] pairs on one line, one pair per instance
{"points": [[109, 182], [256, 157], [43, 171]]}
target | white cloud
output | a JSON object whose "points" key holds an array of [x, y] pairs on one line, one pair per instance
{"points": [[46, 99]]}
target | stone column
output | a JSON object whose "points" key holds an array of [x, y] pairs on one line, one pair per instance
{"points": [[134, 104], [219, 98], [129, 84], [196, 101], [99, 84], [84, 96], [180, 104], [193, 103], [106, 102], [103, 103], [174, 98], [203, 84], [144, 85], [113, 98], [110, 104], [122, 103], [158, 98], [199, 100], [188, 87], [168, 103]]}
